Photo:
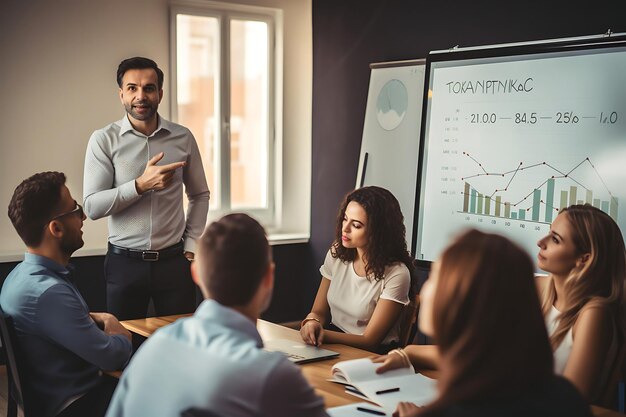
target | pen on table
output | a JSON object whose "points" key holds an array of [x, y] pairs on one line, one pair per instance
{"points": [[387, 391], [367, 410]]}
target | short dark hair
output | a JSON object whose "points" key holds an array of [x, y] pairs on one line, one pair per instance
{"points": [[234, 255], [138, 62], [34, 203]]}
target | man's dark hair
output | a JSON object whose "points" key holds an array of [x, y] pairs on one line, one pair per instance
{"points": [[35, 201], [138, 62], [234, 257]]}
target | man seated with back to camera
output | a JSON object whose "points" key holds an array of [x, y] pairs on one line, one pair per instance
{"points": [[62, 346], [215, 360]]}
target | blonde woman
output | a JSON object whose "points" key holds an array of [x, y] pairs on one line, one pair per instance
{"points": [[583, 297], [583, 302]]}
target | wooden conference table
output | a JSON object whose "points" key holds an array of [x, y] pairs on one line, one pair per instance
{"points": [[316, 373]]}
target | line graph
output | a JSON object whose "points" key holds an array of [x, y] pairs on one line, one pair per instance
{"points": [[531, 205]]}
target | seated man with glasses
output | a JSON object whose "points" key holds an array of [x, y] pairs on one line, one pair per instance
{"points": [[63, 347]]}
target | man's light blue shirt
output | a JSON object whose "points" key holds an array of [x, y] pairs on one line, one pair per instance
{"points": [[117, 155], [214, 361], [63, 348]]}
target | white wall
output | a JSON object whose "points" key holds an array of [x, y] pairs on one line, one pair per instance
{"points": [[57, 77]]}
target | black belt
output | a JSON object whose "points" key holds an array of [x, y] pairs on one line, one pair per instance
{"points": [[148, 255]]}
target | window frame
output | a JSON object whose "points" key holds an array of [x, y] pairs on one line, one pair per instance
{"points": [[225, 13]]}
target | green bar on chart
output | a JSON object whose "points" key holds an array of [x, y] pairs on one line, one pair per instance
{"points": [[589, 197], [480, 204], [507, 210], [466, 192], [596, 202], [536, 201], [487, 205], [498, 204], [572, 195], [522, 214], [613, 208], [563, 200], [473, 201], [550, 200], [514, 216], [605, 206]]}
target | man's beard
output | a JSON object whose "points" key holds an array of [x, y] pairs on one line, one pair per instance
{"points": [[71, 245], [145, 116]]}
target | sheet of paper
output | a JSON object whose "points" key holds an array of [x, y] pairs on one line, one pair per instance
{"points": [[415, 388]]}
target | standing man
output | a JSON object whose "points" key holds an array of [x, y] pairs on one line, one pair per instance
{"points": [[135, 169], [63, 347], [215, 360]]}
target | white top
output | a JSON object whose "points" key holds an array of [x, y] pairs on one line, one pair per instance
{"points": [[561, 354], [352, 298]]}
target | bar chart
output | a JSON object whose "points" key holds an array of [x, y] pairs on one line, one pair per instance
{"points": [[542, 203], [540, 210]]}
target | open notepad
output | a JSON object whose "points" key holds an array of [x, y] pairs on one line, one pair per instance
{"points": [[386, 390]]}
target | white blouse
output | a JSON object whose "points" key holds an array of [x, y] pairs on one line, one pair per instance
{"points": [[561, 354], [353, 298]]}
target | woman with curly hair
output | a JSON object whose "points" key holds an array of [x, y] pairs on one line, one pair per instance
{"points": [[366, 276]]}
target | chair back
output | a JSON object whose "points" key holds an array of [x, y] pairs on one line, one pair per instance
{"points": [[611, 394], [408, 321], [15, 396]]}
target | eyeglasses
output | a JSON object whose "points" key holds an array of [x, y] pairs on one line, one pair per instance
{"points": [[78, 210]]}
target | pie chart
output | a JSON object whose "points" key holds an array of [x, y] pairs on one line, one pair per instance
{"points": [[391, 104]]}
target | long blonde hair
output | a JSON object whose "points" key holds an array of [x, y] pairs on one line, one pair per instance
{"points": [[601, 280]]}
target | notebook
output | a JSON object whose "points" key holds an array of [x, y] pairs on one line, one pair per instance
{"points": [[298, 352]]}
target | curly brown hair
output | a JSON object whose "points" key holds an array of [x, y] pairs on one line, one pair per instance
{"points": [[386, 232], [33, 204]]}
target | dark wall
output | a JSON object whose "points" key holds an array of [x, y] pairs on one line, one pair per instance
{"points": [[293, 268], [348, 35]]}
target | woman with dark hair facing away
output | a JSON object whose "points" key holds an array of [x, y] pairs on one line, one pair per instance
{"points": [[366, 276], [481, 306]]}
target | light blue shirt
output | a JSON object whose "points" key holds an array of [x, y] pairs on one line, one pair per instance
{"points": [[117, 155], [63, 348], [215, 361]]}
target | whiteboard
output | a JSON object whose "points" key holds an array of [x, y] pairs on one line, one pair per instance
{"points": [[513, 135], [390, 143]]}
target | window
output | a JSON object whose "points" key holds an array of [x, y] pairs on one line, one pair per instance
{"points": [[223, 65]]}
